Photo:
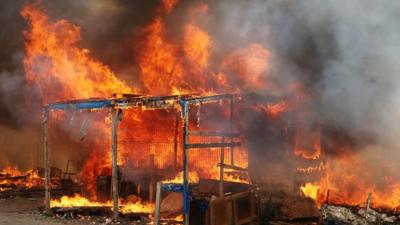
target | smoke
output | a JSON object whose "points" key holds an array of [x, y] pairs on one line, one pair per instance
{"points": [[107, 29], [346, 55], [343, 52]]}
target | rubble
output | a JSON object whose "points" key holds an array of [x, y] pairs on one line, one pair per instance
{"points": [[356, 216]]}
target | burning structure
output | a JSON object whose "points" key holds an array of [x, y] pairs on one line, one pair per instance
{"points": [[216, 140], [321, 146]]}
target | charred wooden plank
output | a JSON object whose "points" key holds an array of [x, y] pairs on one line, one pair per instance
{"points": [[13, 178], [87, 210], [211, 186], [212, 145], [232, 167], [213, 133]]}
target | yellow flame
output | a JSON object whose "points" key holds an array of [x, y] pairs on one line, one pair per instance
{"points": [[310, 190], [178, 179], [80, 201]]}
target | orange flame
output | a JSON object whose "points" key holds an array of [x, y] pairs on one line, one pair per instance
{"points": [[54, 63], [312, 169], [14, 177], [61, 70], [178, 179], [79, 201], [348, 183]]}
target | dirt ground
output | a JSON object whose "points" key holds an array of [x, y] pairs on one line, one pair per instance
{"points": [[24, 211]]}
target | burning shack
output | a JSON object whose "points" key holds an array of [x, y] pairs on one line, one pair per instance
{"points": [[226, 112], [202, 155]]}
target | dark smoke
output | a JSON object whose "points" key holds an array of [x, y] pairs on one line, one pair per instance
{"points": [[344, 52]]}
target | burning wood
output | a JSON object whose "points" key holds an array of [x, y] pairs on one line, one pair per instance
{"points": [[173, 69], [13, 179], [193, 178], [78, 202]]}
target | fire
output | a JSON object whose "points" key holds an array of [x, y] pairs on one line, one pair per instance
{"points": [[197, 46], [274, 110], [52, 57], [79, 201], [178, 179], [348, 183], [61, 70], [164, 70], [312, 169], [158, 61], [168, 5], [75, 201], [194, 178], [137, 207], [236, 179], [11, 171], [308, 143], [310, 190], [13, 177], [247, 67]]}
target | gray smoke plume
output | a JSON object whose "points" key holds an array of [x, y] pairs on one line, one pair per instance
{"points": [[343, 52], [346, 54]]}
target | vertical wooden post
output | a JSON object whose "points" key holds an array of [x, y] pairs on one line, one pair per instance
{"points": [[327, 197], [151, 185], [368, 203], [221, 169], [231, 129], [186, 204], [114, 139], [46, 161], [176, 141], [158, 204]]}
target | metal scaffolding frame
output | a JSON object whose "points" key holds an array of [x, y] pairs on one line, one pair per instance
{"points": [[116, 105]]}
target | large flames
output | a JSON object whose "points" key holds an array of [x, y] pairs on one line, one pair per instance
{"points": [[60, 70], [346, 181], [13, 178]]}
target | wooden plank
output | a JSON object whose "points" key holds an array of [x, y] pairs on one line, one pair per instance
{"points": [[151, 185], [176, 136], [231, 129], [249, 212], [214, 133], [114, 150], [93, 209], [158, 204], [210, 186], [232, 167], [221, 212], [212, 145], [46, 162], [207, 99], [221, 169]]}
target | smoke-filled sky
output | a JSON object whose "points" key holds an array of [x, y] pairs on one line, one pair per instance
{"points": [[344, 52]]}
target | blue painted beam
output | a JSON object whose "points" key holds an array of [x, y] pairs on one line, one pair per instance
{"points": [[82, 105], [132, 101], [172, 187]]}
